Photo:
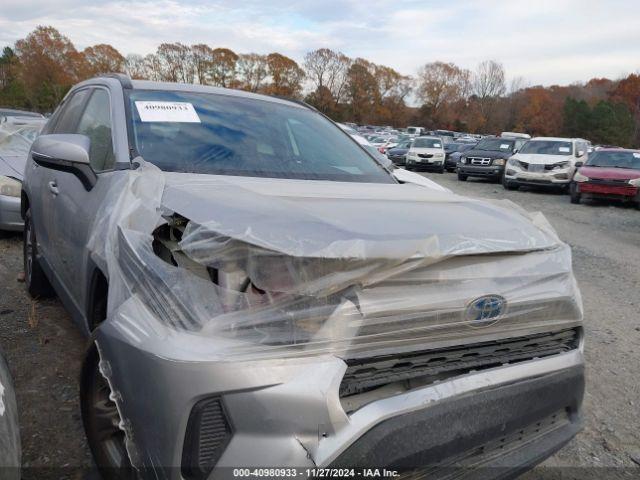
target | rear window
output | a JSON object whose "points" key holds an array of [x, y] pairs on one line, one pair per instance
{"points": [[228, 135]]}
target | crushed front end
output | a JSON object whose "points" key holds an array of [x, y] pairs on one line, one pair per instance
{"points": [[238, 336]]}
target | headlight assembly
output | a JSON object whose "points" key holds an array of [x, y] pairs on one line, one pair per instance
{"points": [[10, 187], [463, 159], [635, 182], [498, 162], [578, 177], [561, 165]]}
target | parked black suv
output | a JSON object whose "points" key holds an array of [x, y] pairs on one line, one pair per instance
{"points": [[488, 158]]}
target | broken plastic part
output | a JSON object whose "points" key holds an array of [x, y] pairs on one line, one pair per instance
{"points": [[271, 267]]}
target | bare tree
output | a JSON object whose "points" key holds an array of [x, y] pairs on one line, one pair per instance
{"points": [[328, 69], [488, 86], [489, 80], [252, 69], [135, 66], [177, 62], [202, 58]]}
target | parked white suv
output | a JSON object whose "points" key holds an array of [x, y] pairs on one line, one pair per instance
{"points": [[545, 161], [426, 153]]}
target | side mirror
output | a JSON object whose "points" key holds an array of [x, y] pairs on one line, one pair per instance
{"points": [[515, 150], [579, 153], [65, 153], [579, 164]]}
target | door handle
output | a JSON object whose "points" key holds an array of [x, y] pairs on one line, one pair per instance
{"points": [[53, 188]]}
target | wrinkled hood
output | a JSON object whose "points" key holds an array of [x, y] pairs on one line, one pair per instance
{"points": [[610, 173], [543, 159], [12, 166], [474, 152], [350, 220]]}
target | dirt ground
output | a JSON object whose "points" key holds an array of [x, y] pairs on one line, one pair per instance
{"points": [[44, 348]]}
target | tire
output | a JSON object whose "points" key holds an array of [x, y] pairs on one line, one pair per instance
{"points": [[101, 420], [462, 177], [574, 196], [35, 280], [508, 185], [441, 171]]}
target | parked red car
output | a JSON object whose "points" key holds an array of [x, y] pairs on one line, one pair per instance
{"points": [[608, 173]]}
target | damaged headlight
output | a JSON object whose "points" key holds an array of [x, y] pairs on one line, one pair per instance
{"points": [[561, 165]]}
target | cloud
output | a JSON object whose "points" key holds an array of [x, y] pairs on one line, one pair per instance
{"points": [[546, 41]]}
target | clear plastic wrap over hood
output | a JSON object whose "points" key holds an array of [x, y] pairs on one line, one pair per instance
{"points": [[261, 267]]}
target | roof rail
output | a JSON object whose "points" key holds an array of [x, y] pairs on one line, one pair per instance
{"points": [[295, 100], [125, 80]]}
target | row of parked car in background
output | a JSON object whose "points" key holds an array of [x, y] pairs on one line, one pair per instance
{"points": [[572, 165]]}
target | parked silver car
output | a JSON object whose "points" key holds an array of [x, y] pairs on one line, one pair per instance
{"points": [[260, 291], [16, 136]]}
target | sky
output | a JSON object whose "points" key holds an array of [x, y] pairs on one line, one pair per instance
{"points": [[544, 41]]}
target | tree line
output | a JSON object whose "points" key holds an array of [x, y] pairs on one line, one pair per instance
{"points": [[38, 70]]}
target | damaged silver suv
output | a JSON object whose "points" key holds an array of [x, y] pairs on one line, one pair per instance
{"points": [[261, 292]]}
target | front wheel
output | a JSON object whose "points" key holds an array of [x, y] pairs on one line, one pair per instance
{"points": [[508, 185], [574, 194], [101, 421], [35, 280]]}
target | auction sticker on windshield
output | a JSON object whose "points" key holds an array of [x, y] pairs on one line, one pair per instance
{"points": [[564, 149], [177, 112]]}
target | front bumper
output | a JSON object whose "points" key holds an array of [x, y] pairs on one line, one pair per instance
{"points": [[493, 171], [10, 218], [599, 190], [288, 412], [549, 178], [425, 163]]}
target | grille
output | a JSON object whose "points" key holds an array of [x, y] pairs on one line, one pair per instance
{"points": [[479, 161], [425, 155], [466, 464], [612, 182], [369, 373], [537, 167], [208, 433]]}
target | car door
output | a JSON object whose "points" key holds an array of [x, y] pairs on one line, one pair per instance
{"points": [[76, 208], [42, 182]]}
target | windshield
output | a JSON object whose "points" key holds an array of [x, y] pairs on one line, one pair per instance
{"points": [[228, 135], [15, 140], [427, 143], [621, 159], [495, 145], [547, 147]]}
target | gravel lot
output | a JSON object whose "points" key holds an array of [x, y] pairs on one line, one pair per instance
{"points": [[44, 348]]}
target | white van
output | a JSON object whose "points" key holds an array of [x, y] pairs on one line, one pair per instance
{"points": [[545, 161]]}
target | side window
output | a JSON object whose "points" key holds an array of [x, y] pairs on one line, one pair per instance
{"points": [[68, 116], [95, 123]]}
